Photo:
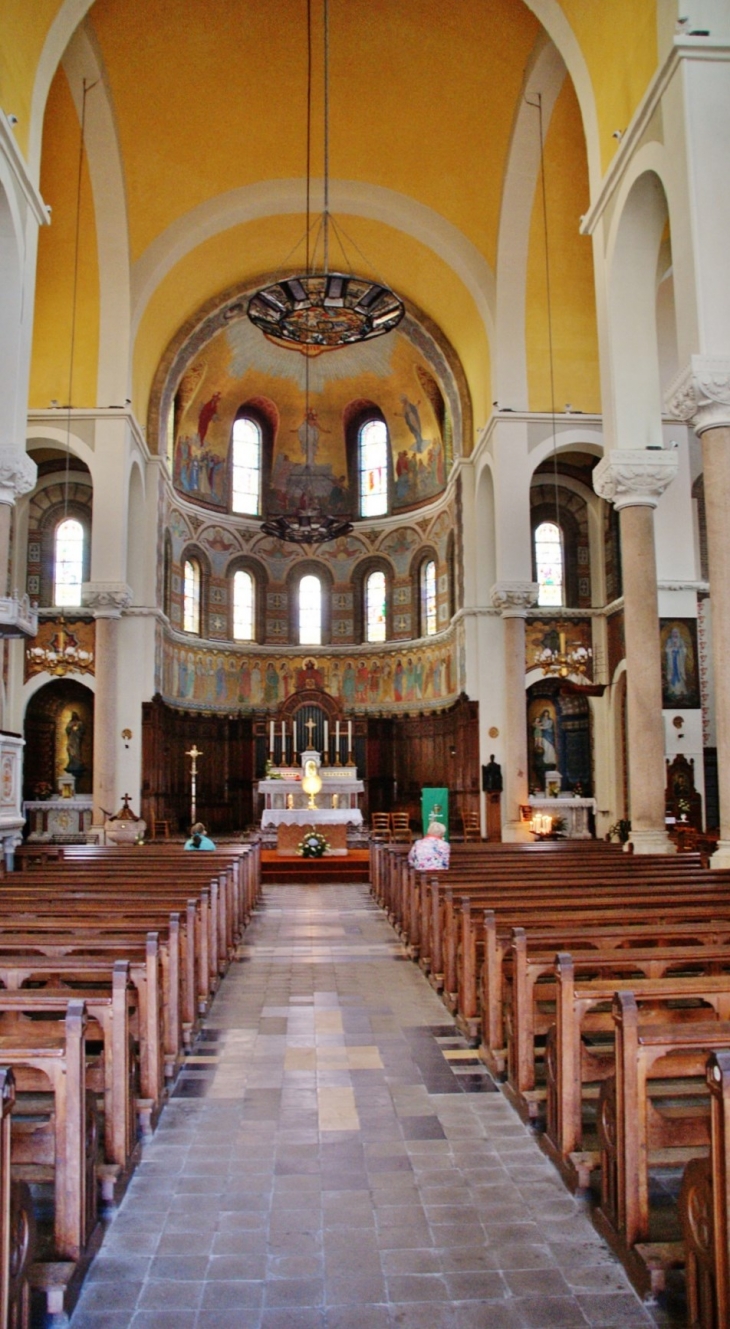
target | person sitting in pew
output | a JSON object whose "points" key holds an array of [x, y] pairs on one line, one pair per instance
{"points": [[198, 838], [432, 852]]}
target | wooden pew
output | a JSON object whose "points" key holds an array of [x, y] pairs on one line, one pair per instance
{"points": [[704, 1205], [570, 1063], [59, 1062]]}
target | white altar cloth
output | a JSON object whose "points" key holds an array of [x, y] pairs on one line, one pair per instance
{"points": [[310, 817], [574, 812]]}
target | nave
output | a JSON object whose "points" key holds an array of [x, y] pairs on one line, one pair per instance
{"points": [[334, 1157]]}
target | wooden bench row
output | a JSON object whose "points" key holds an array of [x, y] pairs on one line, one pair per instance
{"points": [[493, 933], [107, 963]]}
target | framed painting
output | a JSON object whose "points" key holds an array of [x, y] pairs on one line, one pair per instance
{"points": [[680, 675]]}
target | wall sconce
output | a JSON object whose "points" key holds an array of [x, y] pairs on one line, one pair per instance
{"points": [[126, 736]]}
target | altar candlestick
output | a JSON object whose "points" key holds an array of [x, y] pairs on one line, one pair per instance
{"points": [[337, 743], [283, 742], [326, 741], [349, 738], [294, 739], [271, 739]]}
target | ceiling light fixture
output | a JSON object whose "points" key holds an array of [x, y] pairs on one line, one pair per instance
{"points": [[321, 309]]}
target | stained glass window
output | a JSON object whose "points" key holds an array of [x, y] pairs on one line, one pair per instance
{"points": [[243, 606], [373, 468], [246, 466], [549, 563], [375, 607], [68, 566], [310, 611], [191, 596], [428, 598]]}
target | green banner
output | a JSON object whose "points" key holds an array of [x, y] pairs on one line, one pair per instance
{"points": [[435, 807]]}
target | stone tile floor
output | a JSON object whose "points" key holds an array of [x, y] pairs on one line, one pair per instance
{"points": [[334, 1157]]}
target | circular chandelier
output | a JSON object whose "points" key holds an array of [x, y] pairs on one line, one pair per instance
{"points": [[328, 310], [308, 527]]}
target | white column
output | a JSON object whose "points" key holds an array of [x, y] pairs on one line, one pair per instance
{"points": [[106, 600], [701, 396], [634, 480], [513, 599]]}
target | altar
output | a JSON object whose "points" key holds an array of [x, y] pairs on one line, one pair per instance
{"points": [[286, 802], [574, 812]]}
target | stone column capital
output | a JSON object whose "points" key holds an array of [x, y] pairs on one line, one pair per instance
{"points": [[634, 477], [514, 598], [106, 599], [700, 395], [18, 473]]}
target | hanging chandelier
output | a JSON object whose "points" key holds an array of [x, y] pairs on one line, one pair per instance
{"points": [[307, 527], [322, 309], [62, 654], [562, 660]]}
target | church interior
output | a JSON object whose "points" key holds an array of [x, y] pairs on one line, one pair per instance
{"points": [[366, 408]]}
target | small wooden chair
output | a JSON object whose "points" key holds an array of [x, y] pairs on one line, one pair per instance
{"points": [[160, 830], [380, 825], [400, 826], [472, 825]]}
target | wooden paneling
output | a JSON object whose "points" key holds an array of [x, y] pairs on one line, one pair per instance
{"points": [[225, 769]]}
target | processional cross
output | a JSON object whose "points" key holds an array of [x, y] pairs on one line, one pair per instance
{"points": [[193, 753]]}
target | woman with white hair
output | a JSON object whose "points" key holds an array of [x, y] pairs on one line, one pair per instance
{"points": [[432, 852]]}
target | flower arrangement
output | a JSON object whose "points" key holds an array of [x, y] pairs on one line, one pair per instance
{"points": [[313, 845], [43, 790]]}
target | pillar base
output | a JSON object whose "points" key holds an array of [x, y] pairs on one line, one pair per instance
{"points": [[721, 856], [517, 832], [651, 842]]}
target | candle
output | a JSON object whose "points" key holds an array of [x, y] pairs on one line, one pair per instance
{"points": [[337, 737], [294, 738], [271, 738], [327, 738], [283, 742], [349, 736]]}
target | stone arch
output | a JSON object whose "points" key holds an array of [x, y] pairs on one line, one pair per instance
{"points": [[47, 713]]}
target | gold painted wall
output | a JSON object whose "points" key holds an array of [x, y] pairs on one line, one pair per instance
{"points": [[54, 287], [575, 333]]}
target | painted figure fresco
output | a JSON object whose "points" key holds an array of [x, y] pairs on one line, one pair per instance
{"points": [[225, 679]]}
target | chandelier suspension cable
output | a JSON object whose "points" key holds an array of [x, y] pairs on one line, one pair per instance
{"points": [[548, 301], [326, 212], [75, 291], [307, 261]]}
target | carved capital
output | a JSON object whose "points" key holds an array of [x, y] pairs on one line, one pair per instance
{"points": [[18, 473], [634, 477], [514, 598], [106, 599], [700, 395]]}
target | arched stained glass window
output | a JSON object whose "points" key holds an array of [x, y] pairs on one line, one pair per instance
{"points": [[549, 563], [68, 562], [428, 599], [191, 595], [246, 466], [310, 611], [243, 606], [372, 454], [375, 607]]}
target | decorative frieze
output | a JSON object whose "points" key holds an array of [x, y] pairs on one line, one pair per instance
{"points": [[700, 395], [634, 477]]}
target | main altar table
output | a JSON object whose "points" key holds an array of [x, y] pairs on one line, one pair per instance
{"points": [[311, 817]]}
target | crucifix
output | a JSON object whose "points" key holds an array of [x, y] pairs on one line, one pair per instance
{"points": [[309, 726], [193, 754]]}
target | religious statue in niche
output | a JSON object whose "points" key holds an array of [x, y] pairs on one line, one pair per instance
{"points": [[75, 730], [545, 753]]}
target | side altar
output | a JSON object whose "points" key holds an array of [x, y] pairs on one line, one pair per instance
{"points": [[288, 802]]}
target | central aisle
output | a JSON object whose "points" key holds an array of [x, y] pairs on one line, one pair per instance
{"points": [[334, 1157]]}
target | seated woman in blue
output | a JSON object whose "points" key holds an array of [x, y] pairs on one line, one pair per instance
{"points": [[198, 838], [432, 851]]}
